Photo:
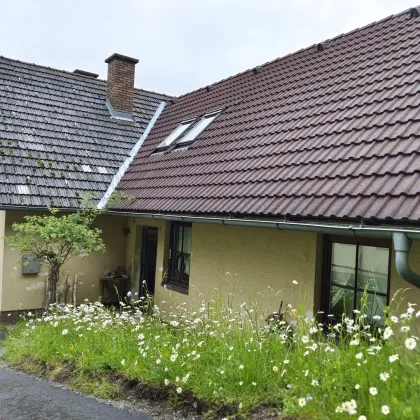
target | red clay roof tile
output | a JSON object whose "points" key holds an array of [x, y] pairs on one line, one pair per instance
{"points": [[329, 134]]}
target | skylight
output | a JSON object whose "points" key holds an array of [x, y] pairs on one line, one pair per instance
{"points": [[199, 127], [175, 134]]}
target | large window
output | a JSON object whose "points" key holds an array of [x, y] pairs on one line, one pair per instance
{"points": [[180, 255], [354, 266]]}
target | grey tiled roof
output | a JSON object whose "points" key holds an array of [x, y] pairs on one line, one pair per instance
{"points": [[57, 140]]}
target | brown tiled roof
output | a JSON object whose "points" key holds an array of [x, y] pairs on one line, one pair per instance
{"points": [[321, 134]]}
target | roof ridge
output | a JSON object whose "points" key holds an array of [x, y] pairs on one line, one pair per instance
{"points": [[298, 51], [78, 75]]}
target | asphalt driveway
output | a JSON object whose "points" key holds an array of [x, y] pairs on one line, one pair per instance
{"points": [[24, 397]]}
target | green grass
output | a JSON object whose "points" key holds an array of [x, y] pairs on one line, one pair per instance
{"points": [[229, 356]]}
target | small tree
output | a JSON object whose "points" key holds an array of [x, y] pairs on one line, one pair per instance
{"points": [[53, 240]]}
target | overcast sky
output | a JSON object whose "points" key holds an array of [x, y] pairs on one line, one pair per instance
{"points": [[181, 44]]}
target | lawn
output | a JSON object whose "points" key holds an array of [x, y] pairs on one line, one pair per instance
{"points": [[230, 360]]}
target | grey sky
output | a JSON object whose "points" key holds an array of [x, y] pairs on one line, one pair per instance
{"points": [[181, 44]]}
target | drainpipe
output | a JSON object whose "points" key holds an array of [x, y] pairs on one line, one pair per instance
{"points": [[402, 246]]}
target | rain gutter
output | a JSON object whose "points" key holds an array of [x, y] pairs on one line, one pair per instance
{"points": [[401, 237], [123, 168]]}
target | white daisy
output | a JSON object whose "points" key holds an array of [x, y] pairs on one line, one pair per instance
{"points": [[410, 343], [384, 376], [385, 409], [373, 390], [393, 358], [302, 402]]}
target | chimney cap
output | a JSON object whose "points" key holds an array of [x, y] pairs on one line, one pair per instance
{"points": [[121, 57], [86, 73]]}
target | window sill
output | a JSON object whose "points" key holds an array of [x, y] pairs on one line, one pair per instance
{"points": [[176, 287]]}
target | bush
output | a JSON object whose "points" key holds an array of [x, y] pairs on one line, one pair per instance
{"points": [[230, 356]]}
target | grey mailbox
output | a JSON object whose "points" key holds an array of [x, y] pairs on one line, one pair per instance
{"points": [[30, 264]]}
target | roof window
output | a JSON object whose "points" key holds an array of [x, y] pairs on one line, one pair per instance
{"points": [[198, 128], [179, 131]]}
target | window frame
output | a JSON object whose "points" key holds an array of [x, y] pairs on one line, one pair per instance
{"points": [[179, 141], [191, 123], [171, 282], [326, 272]]}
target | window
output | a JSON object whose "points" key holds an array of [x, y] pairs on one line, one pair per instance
{"points": [[180, 255], [174, 135], [354, 266], [198, 128]]}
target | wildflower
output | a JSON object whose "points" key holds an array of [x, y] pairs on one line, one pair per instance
{"points": [[362, 418], [410, 343], [385, 409], [357, 386], [275, 369], [129, 294], [393, 319], [179, 390], [314, 382], [158, 361], [173, 357], [405, 328], [373, 390], [295, 282], [309, 398], [302, 402], [286, 362], [241, 367], [388, 333], [305, 339], [166, 382], [393, 358], [65, 332], [384, 376], [354, 342], [123, 362], [254, 383], [241, 383], [359, 355]]}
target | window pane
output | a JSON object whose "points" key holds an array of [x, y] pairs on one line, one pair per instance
{"points": [[372, 272], [343, 264], [181, 250], [198, 128], [375, 304], [174, 135], [341, 302]]}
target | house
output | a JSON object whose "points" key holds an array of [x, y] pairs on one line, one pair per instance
{"points": [[302, 170], [63, 135], [306, 168]]}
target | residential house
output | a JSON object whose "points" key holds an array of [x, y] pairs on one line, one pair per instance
{"points": [[63, 135], [306, 168], [302, 170]]}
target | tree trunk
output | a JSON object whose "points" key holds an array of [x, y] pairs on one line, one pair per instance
{"points": [[51, 285]]}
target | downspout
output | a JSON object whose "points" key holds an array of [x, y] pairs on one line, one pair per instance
{"points": [[402, 246]]}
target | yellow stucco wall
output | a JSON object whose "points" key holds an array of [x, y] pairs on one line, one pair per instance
{"points": [[2, 230], [248, 261], [245, 261], [27, 291]]}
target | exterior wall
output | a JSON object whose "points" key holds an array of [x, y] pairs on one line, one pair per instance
{"points": [[247, 261], [19, 292], [2, 232], [241, 260]]}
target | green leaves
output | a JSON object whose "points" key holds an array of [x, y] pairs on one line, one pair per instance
{"points": [[57, 238]]}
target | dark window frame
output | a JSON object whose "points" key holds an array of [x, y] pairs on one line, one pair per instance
{"points": [[175, 283], [326, 272]]}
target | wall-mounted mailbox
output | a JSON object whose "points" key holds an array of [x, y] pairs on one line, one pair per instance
{"points": [[30, 264]]}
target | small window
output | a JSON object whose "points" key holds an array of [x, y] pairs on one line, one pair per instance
{"points": [[198, 128], [179, 131], [353, 267], [180, 255]]}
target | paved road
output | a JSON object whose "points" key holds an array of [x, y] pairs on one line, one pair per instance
{"points": [[26, 398]]}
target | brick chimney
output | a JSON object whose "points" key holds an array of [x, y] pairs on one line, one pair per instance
{"points": [[120, 85]]}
